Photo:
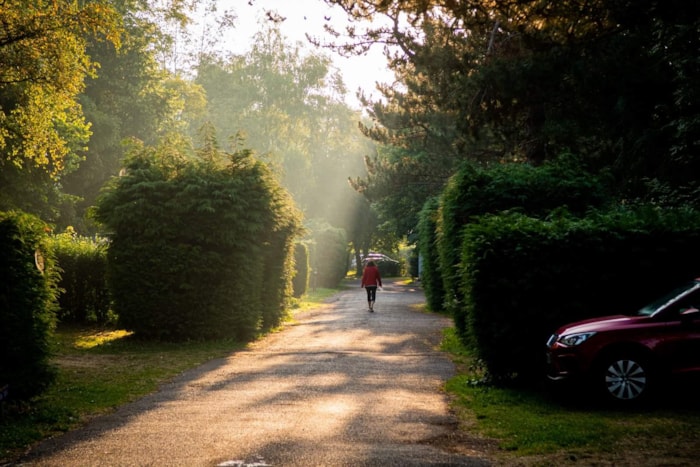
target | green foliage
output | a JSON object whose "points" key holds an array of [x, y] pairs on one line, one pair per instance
{"points": [[413, 263], [522, 277], [28, 292], [300, 282], [290, 118], [199, 249], [130, 97], [537, 191], [288, 103], [614, 82], [43, 63], [389, 268], [29, 189], [361, 228], [84, 296], [431, 276], [329, 255], [278, 254], [401, 180]]}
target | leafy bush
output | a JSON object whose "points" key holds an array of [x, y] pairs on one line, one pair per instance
{"points": [[199, 249], [329, 255], [536, 191], [84, 296], [523, 277], [413, 263], [389, 268], [278, 260], [28, 291], [300, 282], [431, 277]]}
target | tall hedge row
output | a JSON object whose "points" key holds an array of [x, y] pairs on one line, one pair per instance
{"points": [[390, 268], [537, 191], [28, 292], [84, 296], [199, 249], [522, 250], [300, 282], [431, 274], [329, 255], [523, 277]]}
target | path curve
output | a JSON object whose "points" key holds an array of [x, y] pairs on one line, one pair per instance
{"points": [[339, 386]]}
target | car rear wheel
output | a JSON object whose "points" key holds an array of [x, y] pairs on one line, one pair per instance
{"points": [[626, 378]]}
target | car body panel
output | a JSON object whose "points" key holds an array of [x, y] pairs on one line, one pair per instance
{"points": [[666, 333]]}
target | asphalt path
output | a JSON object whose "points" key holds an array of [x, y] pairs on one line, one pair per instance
{"points": [[338, 386]]}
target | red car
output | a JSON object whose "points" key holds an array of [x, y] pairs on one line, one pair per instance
{"points": [[626, 358]]}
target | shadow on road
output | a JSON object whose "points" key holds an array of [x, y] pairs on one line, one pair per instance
{"points": [[337, 386]]}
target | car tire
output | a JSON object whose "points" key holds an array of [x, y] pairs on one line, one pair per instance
{"points": [[626, 378]]}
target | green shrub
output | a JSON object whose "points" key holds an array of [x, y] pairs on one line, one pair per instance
{"points": [[329, 255], [535, 191], [300, 282], [389, 268], [28, 291], [414, 263], [431, 276], [84, 296], [277, 288], [199, 249], [523, 277]]}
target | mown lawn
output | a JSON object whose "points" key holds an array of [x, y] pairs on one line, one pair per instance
{"points": [[100, 369]]}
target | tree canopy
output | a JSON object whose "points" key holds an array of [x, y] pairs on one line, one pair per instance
{"points": [[485, 81], [288, 106], [524, 81], [43, 62], [130, 97]]}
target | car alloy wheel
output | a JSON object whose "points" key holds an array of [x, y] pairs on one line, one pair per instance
{"points": [[626, 379]]}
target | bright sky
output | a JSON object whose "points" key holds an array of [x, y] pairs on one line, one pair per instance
{"points": [[304, 16]]}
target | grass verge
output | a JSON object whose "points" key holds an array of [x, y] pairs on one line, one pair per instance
{"points": [[533, 428], [101, 369]]}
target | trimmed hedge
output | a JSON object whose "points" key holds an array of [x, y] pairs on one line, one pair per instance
{"points": [[329, 255], [389, 268], [300, 282], [536, 191], [523, 277], [28, 278], [431, 275], [199, 249], [84, 296]]}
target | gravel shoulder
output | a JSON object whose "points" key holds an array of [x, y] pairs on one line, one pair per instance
{"points": [[338, 386]]}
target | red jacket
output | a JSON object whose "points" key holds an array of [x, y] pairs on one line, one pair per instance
{"points": [[370, 276]]}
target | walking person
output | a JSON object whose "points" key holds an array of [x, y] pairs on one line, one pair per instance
{"points": [[370, 281]]}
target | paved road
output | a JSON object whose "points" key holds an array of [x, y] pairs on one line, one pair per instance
{"points": [[339, 387]]}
